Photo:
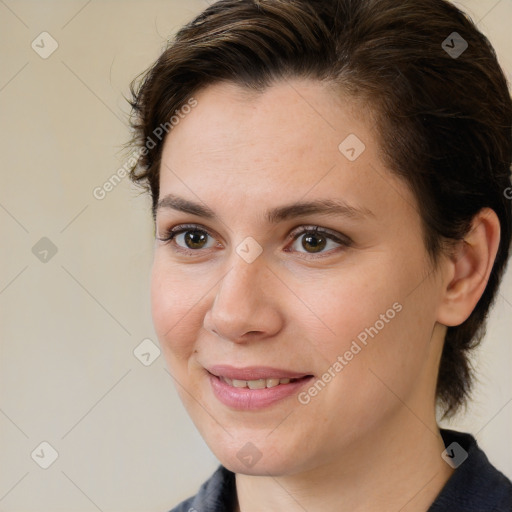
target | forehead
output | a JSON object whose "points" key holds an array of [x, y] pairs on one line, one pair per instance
{"points": [[295, 138], [293, 122]]}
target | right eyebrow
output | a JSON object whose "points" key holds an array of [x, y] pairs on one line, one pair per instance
{"points": [[184, 205]]}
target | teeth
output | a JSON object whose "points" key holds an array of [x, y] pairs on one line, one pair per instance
{"points": [[270, 383], [255, 384]]}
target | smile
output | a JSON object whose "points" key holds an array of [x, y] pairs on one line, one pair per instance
{"points": [[254, 388], [256, 384]]}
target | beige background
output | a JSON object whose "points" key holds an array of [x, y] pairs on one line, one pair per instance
{"points": [[69, 326]]}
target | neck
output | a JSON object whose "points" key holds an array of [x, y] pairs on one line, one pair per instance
{"points": [[396, 469]]}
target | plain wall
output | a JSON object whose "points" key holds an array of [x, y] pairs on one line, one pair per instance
{"points": [[69, 325]]}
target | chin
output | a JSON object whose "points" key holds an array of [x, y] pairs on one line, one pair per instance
{"points": [[254, 458], [263, 467]]}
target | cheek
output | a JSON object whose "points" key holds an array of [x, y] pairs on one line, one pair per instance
{"points": [[373, 319], [174, 308], [384, 358], [350, 304]]}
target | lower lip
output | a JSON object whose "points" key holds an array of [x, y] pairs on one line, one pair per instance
{"points": [[253, 399]]}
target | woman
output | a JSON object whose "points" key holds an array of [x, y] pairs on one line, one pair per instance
{"points": [[329, 187]]}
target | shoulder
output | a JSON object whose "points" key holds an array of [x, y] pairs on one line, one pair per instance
{"points": [[217, 494], [476, 485]]}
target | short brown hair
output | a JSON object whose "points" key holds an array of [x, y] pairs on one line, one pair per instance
{"points": [[444, 118]]}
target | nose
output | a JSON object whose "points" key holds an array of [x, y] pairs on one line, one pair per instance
{"points": [[244, 306]]}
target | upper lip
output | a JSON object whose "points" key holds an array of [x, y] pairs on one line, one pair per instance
{"points": [[254, 372]]}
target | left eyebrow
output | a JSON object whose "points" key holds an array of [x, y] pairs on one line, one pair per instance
{"points": [[321, 207]]}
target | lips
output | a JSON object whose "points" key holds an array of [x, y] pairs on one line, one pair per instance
{"points": [[253, 388], [252, 373]]}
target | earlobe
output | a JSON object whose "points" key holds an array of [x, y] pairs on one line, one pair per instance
{"points": [[469, 268]]}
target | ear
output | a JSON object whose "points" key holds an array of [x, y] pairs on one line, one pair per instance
{"points": [[468, 269]]}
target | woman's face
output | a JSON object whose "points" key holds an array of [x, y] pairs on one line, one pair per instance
{"points": [[247, 291]]}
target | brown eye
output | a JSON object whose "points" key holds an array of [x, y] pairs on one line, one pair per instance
{"points": [[190, 239], [314, 242], [195, 239]]}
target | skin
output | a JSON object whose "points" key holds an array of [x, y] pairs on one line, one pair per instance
{"points": [[369, 440]]}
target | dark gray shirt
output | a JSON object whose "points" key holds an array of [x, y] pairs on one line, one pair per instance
{"points": [[475, 486]]}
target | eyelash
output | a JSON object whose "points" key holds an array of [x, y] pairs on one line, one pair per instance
{"points": [[171, 233]]}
